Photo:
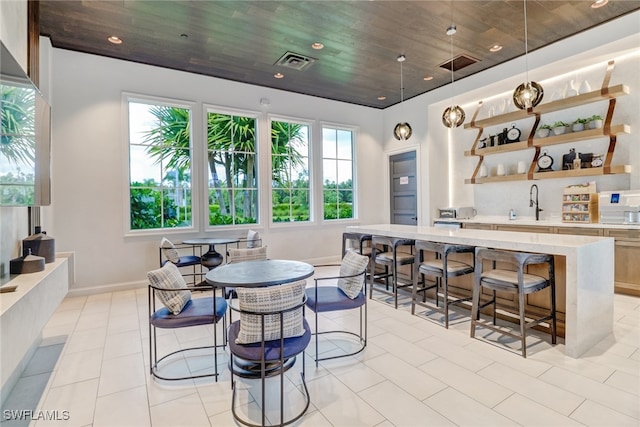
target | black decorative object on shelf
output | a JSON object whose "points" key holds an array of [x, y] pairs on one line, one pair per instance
{"points": [[41, 245]]}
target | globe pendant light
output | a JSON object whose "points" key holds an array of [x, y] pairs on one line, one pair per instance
{"points": [[527, 94], [403, 130], [453, 116]]}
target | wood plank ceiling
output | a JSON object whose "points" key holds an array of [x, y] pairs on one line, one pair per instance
{"points": [[242, 40]]}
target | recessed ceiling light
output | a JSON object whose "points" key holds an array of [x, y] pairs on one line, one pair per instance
{"points": [[451, 30], [427, 78], [317, 45], [495, 48], [382, 98], [599, 3], [278, 75], [114, 39]]}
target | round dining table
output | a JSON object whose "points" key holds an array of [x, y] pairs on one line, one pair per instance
{"points": [[264, 272], [252, 274], [212, 258]]}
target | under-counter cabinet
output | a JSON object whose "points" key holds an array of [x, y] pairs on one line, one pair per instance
{"points": [[627, 259], [608, 130]]}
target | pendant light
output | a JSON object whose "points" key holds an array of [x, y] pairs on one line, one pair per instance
{"points": [[453, 116], [527, 94], [403, 130]]}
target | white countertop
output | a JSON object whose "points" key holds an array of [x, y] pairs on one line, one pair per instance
{"points": [[557, 244], [487, 219], [589, 267]]}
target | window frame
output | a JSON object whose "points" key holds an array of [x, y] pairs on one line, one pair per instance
{"points": [[311, 170], [204, 164], [354, 171], [126, 99]]}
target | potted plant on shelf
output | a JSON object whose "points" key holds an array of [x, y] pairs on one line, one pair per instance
{"points": [[578, 124], [595, 122], [543, 131], [560, 127]]}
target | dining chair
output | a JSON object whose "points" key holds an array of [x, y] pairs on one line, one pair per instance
{"points": [[270, 333], [235, 255], [170, 252], [346, 291], [180, 310]]}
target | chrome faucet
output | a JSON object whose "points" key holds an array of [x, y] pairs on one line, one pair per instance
{"points": [[532, 202]]}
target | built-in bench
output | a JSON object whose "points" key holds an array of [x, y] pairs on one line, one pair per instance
{"points": [[25, 312]]}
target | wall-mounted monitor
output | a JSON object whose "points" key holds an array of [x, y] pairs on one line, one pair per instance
{"points": [[25, 138]]}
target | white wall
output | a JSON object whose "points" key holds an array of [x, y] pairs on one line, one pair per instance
{"points": [[90, 151], [444, 165]]}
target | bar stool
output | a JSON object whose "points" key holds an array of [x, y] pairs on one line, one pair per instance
{"points": [[385, 251], [441, 268], [358, 243], [515, 282]]}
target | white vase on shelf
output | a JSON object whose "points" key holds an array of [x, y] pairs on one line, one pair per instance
{"points": [[585, 87]]}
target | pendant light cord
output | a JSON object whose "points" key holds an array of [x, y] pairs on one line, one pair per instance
{"points": [[452, 91], [401, 84], [526, 44]]}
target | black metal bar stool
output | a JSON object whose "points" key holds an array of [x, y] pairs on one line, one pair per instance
{"points": [[515, 282], [441, 268], [386, 251]]}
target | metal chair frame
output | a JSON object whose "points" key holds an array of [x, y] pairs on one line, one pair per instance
{"points": [[188, 261], [362, 337], [263, 371], [154, 362], [441, 274], [389, 244], [520, 260]]}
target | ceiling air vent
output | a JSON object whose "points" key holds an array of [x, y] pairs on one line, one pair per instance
{"points": [[459, 62], [295, 61]]}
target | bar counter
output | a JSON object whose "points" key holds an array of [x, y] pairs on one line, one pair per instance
{"points": [[589, 272]]}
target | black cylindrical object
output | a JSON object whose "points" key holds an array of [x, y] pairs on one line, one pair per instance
{"points": [[41, 245]]}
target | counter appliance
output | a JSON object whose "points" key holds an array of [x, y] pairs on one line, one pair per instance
{"points": [[466, 212], [620, 207]]}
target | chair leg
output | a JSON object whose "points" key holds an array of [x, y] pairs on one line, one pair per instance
{"points": [[316, 317], [552, 280], [523, 325], [445, 302], [475, 308]]}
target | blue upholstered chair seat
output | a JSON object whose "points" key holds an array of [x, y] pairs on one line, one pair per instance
{"points": [[251, 352], [196, 312], [185, 260], [331, 298]]}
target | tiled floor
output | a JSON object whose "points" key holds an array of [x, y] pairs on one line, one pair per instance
{"points": [[93, 364]]}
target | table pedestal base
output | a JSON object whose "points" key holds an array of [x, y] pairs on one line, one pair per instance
{"points": [[246, 369]]}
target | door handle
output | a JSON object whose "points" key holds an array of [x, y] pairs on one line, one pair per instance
{"points": [[414, 217]]}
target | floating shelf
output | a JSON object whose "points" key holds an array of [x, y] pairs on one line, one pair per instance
{"points": [[582, 172], [549, 107], [505, 148], [488, 179], [580, 136]]}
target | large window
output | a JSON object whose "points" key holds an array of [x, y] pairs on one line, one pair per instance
{"points": [[159, 165], [290, 172], [233, 178], [337, 173]]}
